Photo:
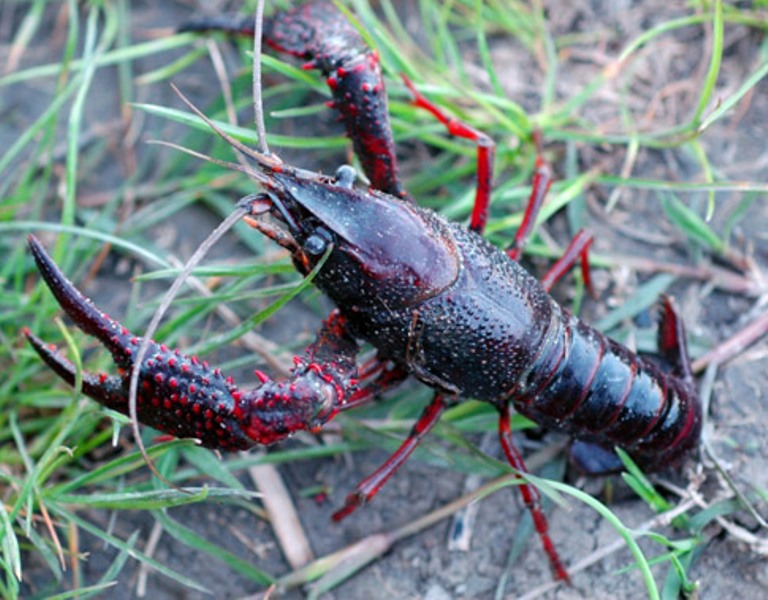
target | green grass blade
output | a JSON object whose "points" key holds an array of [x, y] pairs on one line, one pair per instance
{"points": [[715, 59], [193, 540], [9, 546], [646, 296], [127, 546], [691, 224]]}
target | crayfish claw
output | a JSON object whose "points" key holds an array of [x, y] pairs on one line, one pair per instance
{"points": [[184, 397], [178, 394], [81, 310], [105, 389]]}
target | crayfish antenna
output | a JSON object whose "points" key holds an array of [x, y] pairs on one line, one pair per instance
{"points": [[270, 162], [256, 175], [267, 162]]}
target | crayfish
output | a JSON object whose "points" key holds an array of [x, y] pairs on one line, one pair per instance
{"points": [[436, 300]]}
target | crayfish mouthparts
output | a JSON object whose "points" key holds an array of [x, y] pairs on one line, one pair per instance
{"points": [[184, 397], [257, 204]]}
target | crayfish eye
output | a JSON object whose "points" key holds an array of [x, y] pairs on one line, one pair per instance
{"points": [[345, 176], [317, 242]]}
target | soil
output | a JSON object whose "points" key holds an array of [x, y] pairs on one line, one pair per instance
{"points": [[662, 91]]}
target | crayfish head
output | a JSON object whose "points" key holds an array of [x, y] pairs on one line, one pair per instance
{"points": [[376, 248]]}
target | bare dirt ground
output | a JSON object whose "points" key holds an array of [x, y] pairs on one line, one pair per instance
{"points": [[665, 83]]}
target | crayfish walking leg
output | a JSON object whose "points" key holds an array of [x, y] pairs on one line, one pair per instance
{"points": [[542, 181], [370, 486]]}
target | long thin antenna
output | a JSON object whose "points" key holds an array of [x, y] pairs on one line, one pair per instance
{"points": [[258, 105]]}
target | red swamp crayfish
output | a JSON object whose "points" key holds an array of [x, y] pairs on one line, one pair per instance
{"points": [[434, 299]]}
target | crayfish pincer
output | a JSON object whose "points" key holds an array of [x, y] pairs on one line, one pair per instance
{"points": [[435, 299]]}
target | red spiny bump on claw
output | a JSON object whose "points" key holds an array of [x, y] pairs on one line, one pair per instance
{"points": [[190, 400], [278, 409]]}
